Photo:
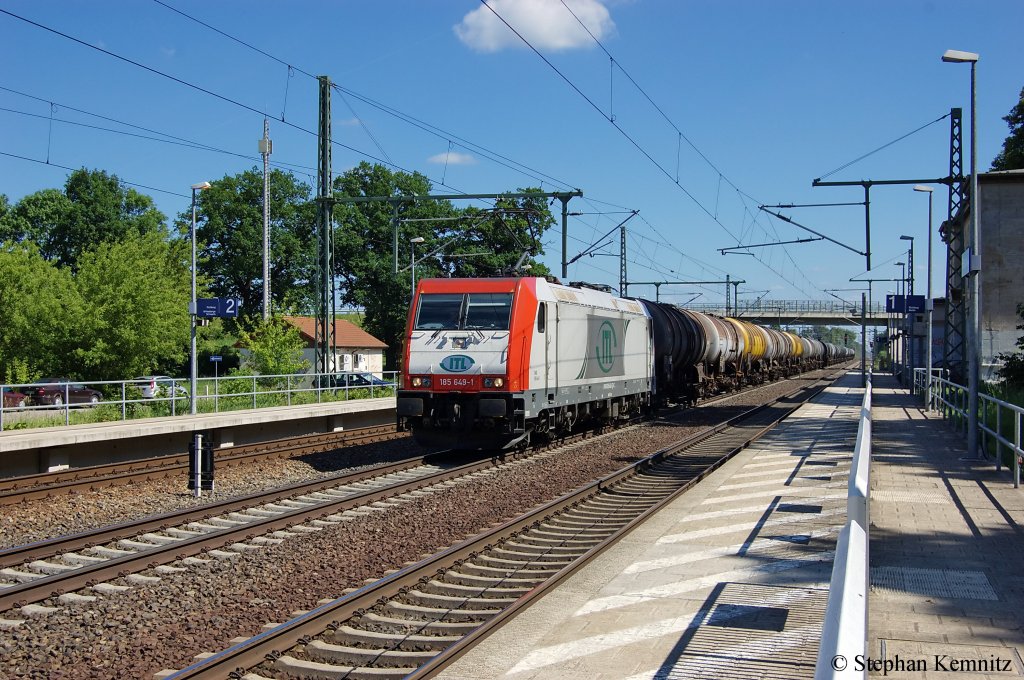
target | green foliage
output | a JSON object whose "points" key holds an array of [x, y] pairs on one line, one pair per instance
{"points": [[137, 294], [1012, 370], [40, 312], [229, 232], [1012, 155], [275, 348]]}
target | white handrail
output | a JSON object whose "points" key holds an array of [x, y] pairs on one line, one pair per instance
{"points": [[844, 635]]}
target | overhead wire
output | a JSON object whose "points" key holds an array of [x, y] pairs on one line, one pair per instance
{"points": [[630, 138], [64, 167]]}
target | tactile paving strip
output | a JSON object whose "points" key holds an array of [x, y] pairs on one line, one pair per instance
{"points": [[948, 583]]}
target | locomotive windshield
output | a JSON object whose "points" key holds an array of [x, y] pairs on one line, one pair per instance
{"points": [[464, 311]]}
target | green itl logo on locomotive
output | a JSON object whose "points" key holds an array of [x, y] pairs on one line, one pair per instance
{"points": [[457, 363]]}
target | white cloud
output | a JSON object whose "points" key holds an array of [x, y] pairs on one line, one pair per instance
{"points": [[169, 52], [348, 122], [452, 158], [547, 24]]}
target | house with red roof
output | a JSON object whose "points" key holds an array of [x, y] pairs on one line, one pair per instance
{"points": [[354, 348]]}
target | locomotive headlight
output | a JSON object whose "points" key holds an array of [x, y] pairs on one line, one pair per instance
{"points": [[499, 382], [421, 382], [494, 382]]}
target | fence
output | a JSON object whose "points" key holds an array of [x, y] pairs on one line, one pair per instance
{"points": [[73, 403], [999, 422], [846, 615]]}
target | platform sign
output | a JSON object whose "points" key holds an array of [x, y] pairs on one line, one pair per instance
{"points": [[904, 304], [211, 308], [216, 358]]}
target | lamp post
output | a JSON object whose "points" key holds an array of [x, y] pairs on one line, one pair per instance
{"points": [[928, 303], [901, 293], [973, 268], [194, 368], [412, 261], [907, 318]]}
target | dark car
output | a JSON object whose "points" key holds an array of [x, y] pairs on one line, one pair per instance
{"points": [[57, 391], [357, 380], [14, 399]]}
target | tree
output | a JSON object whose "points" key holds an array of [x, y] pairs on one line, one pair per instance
{"points": [[1012, 370], [101, 211], [1012, 155], [230, 237], [495, 241], [275, 347], [36, 218], [40, 310], [137, 292]]}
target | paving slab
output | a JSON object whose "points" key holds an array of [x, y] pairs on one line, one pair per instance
{"points": [[947, 550]]}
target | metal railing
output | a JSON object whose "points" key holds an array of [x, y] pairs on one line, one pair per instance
{"points": [[121, 400], [996, 419], [790, 307], [844, 634]]}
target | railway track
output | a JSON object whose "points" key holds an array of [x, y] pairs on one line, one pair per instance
{"points": [[44, 485], [421, 618]]}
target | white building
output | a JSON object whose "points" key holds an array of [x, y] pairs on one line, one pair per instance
{"points": [[354, 348]]}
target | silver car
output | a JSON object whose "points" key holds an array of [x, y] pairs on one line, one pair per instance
{"points": [[154, 386]]}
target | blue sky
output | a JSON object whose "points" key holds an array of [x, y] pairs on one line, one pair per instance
{"points": [[773, 94]]}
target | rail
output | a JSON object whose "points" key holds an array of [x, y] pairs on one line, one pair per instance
{"points": [[999, 421], [73, 403], [844, 636]]}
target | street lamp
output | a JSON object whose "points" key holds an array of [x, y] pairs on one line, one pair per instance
{"points": [[901, 293], [928, 304], [907, 319], [412, 261], [194, 376], [973, 284]]}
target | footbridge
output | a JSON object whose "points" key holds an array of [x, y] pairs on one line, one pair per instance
{"points": [[789, 312]]}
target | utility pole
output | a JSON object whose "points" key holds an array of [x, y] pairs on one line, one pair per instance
{"points": [[266, 148], [623, 281]]}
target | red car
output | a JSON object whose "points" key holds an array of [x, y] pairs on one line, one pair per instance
{"points": [[61, 390], [14, 399]]}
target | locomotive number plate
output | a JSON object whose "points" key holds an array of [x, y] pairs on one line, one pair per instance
{"points": [[457, 382]]}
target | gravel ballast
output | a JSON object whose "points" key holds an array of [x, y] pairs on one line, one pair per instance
{"points": [[163, 625]]}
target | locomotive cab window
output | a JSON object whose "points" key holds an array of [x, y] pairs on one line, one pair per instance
{"points": [[439, 311], [542, 316], [457, 311], [488, 311]]}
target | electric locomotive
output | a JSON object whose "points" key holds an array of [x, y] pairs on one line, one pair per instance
{"points": [[490, 361]]}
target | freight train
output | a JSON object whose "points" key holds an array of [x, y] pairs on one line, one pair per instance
{"points": [[488, 363]]}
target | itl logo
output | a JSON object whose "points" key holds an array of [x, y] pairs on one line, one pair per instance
{"points": [[605, 351], [457, 363]]}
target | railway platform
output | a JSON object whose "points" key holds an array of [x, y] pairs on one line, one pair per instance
{"points": [[731, 580]]}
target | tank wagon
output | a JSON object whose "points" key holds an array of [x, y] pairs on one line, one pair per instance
{"points": [[490, 362]]}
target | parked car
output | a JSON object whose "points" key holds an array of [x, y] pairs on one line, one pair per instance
{"points": [[57, 390], [153, 386], [14, 399], [356, 379]]}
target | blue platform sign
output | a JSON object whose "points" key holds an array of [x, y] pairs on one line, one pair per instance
{"points": [[904, 304], [216, 357], [211, 308]]}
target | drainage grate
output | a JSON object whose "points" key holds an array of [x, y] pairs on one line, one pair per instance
{"points": [[751, 618], [800, 539], [797, 507]]}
